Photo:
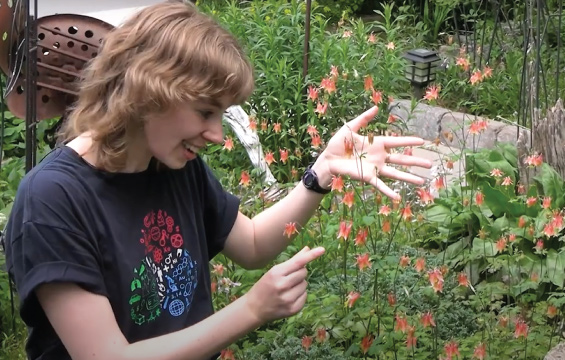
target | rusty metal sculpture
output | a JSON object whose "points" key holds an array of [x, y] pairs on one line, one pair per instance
{"points": [[59, 46]]}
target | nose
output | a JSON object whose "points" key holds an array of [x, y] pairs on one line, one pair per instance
{"points": [[214, 132]]}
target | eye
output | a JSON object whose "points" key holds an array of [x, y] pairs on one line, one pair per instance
{"points": [[206, 114]]}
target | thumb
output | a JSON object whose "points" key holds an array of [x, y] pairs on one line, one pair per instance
{"points": [[302, 258]]}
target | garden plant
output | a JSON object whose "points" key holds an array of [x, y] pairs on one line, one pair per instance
{"points": [[467, 268]]}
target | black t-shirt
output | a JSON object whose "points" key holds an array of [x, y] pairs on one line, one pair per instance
{"points": [[143, 240]]}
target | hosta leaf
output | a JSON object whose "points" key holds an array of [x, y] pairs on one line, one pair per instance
{"points": [[555, 267]]}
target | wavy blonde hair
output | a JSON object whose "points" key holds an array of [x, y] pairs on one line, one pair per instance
{"points": [[164, 55]]}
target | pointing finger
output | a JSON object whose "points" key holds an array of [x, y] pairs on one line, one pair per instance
{"points": [[363, 119], [302, 258]]}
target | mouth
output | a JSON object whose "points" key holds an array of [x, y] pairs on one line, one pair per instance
{"points": [[190, 148]]}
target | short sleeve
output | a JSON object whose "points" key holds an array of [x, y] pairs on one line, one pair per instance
{"points": [[47, 240], [221, 212]]}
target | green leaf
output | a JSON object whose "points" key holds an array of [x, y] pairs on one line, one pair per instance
{"points": [[368, 220], [550, 183], [555, 264], [483, 247]]}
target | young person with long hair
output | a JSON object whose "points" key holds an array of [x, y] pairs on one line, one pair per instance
{"points": [[110, 235]]}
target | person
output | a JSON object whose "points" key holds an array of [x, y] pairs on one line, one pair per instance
{"points": [[111, 234]]}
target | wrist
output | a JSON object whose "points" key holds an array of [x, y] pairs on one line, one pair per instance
{"points": [[323, 172], [253, 310]]}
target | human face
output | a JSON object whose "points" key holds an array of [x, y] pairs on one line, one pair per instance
{"points": [[176, 137]]}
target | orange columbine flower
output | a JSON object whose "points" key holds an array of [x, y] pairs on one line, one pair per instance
{"points": [[328, 84], [539, 245], [436, 279], [361, 237], [252, 124], [384, 210], [407, 212], [549, 230], [391, 298], [531, 201], [352, 298], [316, 141], [245, 179], [334, 72], [479, 198], [366, 343], [551, 311], [546, 202], [462, 279], [487, 72], [337, 183], [264, 125], [348, 147], [386, 226], [427, 320], [404, 261], [344, 229], [501, 244], [496, 172], [451, 349], [377, 97], [228, 143], [507, 181], [534, 160], [306, 342], [269, 158], [312, 93], [227, 354], [512, 237], [476, 77], [321, 108], [349, 198], [425, 196], [284, 155], [557, 220], [420, 264], [522, 222], [480, 351], [368, 83], [311, 130], [218, 269], [401, 323], [410, 338], [321, 335], [432, 93], [277, 127], [391, 119], [290, 229], [372, 38], [521, 189], [390, 46], [363, 261], [521, 329], [463, 62], [439, 182]]}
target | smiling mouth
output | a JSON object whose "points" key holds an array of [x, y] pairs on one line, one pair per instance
{"points": [[190, 148]]}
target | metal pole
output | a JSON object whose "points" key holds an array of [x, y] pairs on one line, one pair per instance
{"points": [[30, 86], [306, 43]]}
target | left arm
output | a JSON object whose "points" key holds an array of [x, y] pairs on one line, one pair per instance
{"points": [[253, 243]]}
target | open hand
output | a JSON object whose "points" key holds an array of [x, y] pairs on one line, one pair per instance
{"points": [[361, 158], [281, 292]]}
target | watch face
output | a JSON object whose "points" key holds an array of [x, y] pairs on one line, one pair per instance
{"points": [[308, 179]]}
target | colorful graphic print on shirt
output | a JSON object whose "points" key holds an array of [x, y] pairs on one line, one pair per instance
{"points": [[166, 279]]}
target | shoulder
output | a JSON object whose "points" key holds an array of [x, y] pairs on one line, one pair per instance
{"points": [[52, 184]]}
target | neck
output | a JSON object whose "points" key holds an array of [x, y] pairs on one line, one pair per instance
{"points": [[138, 156]]}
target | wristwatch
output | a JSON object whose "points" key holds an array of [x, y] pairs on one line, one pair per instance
{"points": [[310, 181]]}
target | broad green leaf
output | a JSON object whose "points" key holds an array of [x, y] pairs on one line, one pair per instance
{"points": [[555, 267], [551, 184], [484, 247]]}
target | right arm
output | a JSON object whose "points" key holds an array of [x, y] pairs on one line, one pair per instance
{"points": [[280, 293]]}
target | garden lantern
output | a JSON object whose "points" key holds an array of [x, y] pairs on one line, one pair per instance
{"points": [[421, 68]]}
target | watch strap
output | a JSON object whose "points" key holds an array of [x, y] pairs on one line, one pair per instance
{"points": [[310, 181]]}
